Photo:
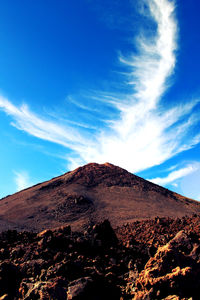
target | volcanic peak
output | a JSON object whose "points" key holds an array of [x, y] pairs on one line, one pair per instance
{"points": [[91, 193], [106, 174]]}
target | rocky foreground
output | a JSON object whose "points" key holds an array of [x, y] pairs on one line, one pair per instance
{"points": [[154, 259]]}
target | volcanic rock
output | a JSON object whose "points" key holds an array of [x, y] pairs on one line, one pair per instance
{"points": [[88, 195], [119, 267], [170, 272]]}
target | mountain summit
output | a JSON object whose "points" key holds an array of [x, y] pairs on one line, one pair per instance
{"points": [[90, 194]]}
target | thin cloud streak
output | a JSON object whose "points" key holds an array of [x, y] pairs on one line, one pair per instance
{"points": [[22, 180], [143, 134], [47, 130], [156, 59], [177, 174]]}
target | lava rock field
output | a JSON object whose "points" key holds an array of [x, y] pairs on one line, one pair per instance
{"points": [[150, 259]]}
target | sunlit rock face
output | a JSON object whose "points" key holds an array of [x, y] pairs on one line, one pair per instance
{"points": [[152, 259], [171, 271]]}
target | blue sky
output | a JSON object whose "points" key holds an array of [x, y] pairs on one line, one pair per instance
{"points": [[100, 81]]}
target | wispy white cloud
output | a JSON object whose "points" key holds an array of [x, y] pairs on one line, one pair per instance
{"points": [[37, 126], [177, 174], [22, 180], [156, 58], [143, 133]]}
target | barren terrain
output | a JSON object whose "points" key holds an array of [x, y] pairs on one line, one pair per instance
{"points": [[91, 194]]}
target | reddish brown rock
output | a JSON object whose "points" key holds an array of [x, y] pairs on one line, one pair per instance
{"points": [[55, 289], [91, 193], [78, 289], [9, 278], [146, 260], [170, 272]]}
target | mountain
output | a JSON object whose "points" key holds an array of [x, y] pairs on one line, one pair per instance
{"points": [[91, 194]]}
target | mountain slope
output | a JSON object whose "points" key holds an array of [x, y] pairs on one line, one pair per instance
{"points": [[91, 193]]}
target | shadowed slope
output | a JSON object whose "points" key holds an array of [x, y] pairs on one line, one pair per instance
{"points": [[91, 193]]}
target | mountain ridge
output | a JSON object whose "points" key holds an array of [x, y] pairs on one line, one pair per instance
{"points": [[89, 194], [96, 164]]}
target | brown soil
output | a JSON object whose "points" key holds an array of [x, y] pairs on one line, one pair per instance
{"points": [[88, 195]]}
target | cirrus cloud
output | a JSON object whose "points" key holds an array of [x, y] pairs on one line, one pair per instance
{"points": [[143, 133], [22, 180], [177, 174]]}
